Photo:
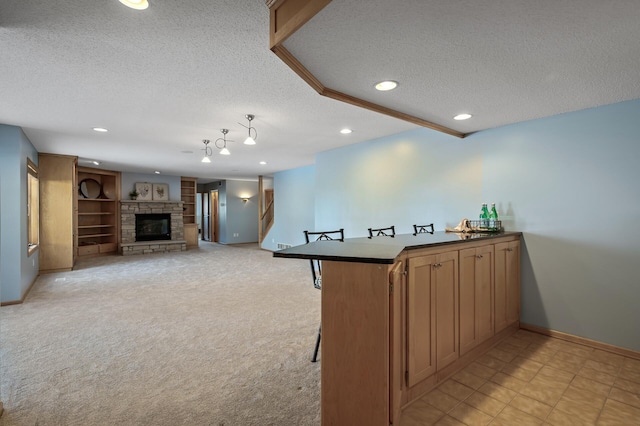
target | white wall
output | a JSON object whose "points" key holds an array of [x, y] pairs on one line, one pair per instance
{"points": [[568, 182]]}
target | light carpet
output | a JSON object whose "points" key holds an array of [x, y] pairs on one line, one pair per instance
{"points": [[217, 335]]}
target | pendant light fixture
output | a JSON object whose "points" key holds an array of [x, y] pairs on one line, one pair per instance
{"points": [[250, 140], [221, 143], [207, 151]]}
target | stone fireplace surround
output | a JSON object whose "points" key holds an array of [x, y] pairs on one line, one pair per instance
{"points": [[128, 211]]}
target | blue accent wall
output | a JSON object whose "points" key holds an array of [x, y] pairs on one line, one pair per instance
{"points": [[240, 222], [17, 269], [294, 207], [568, 182], [128, 182]]}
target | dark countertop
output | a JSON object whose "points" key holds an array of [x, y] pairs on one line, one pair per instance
{"points": [[380, 249]]}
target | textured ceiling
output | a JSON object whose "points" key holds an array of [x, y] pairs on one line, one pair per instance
{"points": [[163, 79], [503, 61]]}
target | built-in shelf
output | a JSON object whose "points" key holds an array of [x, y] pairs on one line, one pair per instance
{"points": [[188, 191], [98, 220], [94, 236]]}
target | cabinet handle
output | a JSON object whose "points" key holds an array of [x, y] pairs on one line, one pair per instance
{"points": [[479, 256], [509, 249], [437, 265]]}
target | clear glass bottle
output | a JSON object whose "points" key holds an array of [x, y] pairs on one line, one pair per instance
{"points": [[493, 218]]}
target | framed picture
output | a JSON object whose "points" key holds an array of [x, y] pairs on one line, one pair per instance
{"points": [[160, 192], [144, 190]]}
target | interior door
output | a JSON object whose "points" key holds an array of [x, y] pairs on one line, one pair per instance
{"points": [[205, 217], [213, 224]]}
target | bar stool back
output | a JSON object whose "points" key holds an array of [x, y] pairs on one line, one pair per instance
{"points": [[382, 232]]}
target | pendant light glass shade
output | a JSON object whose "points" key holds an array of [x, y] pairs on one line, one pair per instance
{"points": [[250, 140], [207, 151], [136, 4], [221, 143]]}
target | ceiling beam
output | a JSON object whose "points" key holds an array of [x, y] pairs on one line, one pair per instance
{"points": [[287, 17]]}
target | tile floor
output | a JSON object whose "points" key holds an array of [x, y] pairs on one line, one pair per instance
{"points": [[531, 379]]}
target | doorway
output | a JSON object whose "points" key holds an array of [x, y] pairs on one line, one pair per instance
{"points": [[209, 216]]}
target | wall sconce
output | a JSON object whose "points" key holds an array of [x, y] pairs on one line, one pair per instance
{"points": [[250, 140], [245, 198]]}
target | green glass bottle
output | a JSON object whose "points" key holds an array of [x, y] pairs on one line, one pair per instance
{"points": [[493, 218], [484, 216]]}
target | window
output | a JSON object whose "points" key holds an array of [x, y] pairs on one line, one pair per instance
{"points": [[33, 206]]}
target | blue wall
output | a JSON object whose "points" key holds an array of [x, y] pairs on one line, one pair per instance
{"points": [[568, 182], [128, 182], [239, 224], [294, 204], [18, 270]]}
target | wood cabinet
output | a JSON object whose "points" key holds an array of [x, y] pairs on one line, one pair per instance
{"points": [[355, 352], [57, 176], [507, 284], [98, 223], [476, 296], [432, 312], [391, 333], [188, 192]]}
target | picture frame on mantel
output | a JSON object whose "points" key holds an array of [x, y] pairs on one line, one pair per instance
{"points": [[160, 192], [145, 191]]}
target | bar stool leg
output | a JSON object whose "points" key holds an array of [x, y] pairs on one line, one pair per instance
{"points": [[315, 351]]}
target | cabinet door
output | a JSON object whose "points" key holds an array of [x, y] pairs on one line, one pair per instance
{"points": [[476, 298], [507, 284], [421, 319], [57, 192], [445, 277]]}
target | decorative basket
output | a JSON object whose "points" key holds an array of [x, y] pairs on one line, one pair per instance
{"points": [[478, 226]]}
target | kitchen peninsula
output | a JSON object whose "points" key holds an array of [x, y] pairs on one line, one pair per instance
{"points": [[401, 314]]}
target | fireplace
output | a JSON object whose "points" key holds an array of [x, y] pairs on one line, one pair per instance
{"points": [[169, 236], [153, 227]]}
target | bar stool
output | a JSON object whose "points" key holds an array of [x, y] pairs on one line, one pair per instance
{"points": [[316, 270], [423, 229], [382, 232]]}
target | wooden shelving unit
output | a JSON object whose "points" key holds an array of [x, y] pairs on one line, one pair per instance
{"points": [[57, 174], [98, 223], [188, 190]]}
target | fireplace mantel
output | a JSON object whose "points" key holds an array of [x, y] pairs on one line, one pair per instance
{"points": [[128, 211]]}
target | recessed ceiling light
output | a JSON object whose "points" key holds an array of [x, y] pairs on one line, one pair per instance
{"points": [[136, 4], [97, 163], [383, 86], [263, 162], [464, 116], [187, 152], [157, 172], [100, 129], [346, 131]]}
